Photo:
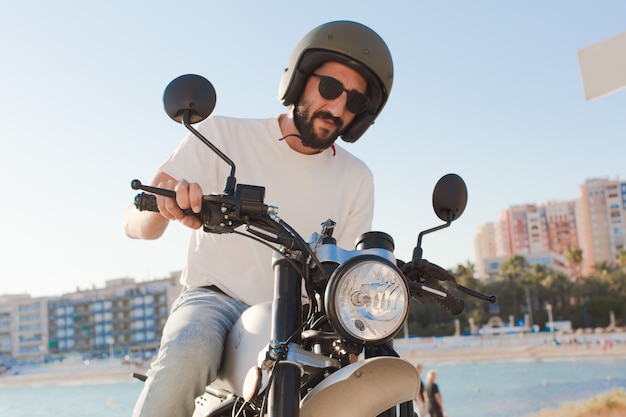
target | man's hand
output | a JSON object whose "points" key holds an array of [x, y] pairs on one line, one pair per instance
{"points": [[151, 225], [187, 196]]}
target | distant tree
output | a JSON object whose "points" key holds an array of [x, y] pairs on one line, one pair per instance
{"points": [[513, 270], [475, 308], [604, 268], [604, 291], [622, 258], [594, 286], [429, 319], [617, 282], [465, 271], [574, 256], [532, 284], [465, 275], [558, 287]]}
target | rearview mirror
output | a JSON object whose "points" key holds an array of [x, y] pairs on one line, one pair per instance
{"points": [[189, 92], [450, 197]]}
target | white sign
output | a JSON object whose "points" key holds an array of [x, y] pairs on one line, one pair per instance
{"points": [[603, 67]]}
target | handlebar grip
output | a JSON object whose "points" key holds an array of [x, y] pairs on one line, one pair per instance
{"points": [[451, 302], [146, 202]]}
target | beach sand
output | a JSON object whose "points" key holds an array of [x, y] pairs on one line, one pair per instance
{"points": [[514, 353], [71, 374]]}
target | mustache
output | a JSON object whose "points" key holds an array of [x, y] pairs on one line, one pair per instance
{"points": [[328, 116]]}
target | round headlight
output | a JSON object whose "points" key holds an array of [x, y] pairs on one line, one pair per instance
{"points": [[367, 300]]}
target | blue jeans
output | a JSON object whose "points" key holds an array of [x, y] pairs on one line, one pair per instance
{"points": [[190, 353]]}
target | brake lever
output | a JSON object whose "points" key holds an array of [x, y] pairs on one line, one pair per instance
{"points": [[491, 297], [137, 185], [429, 269], [147, 202]]}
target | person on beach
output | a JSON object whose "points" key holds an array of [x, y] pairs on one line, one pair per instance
{"points": [[335, 84], [420, 403], [433, 395]]}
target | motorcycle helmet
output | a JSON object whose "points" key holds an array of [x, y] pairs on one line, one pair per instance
{"points": [[349, 43]]}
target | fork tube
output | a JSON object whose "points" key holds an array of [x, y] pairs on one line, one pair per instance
{"points": [[284, 394]]}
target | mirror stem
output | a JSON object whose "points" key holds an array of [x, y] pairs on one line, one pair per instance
{"points": [[231, 180], [418, 252]]}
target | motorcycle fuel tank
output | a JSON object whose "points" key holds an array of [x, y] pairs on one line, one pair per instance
{"points": [[248, 337]]}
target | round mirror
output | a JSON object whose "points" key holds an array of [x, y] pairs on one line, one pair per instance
{"points": [[189, 92], [450, 197]]}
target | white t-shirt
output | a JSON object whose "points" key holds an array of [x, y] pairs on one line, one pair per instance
{"points": [[307, 189]]}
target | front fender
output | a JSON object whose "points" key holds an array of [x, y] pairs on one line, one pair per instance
{"points": [[362, 389]]}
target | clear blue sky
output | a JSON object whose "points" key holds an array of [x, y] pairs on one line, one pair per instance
{"points": [[490, 90]]}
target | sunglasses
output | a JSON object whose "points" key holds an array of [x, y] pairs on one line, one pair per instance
{"points": [[331, 88]]}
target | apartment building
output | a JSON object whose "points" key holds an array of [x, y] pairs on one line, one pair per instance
{"points": [[602, 214], [124, 316], [540, 233], [543, 233]]}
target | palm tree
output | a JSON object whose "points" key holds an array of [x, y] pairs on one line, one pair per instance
{"points": [[465, 276], [514, 269], [558, 287], [475, 310], [534, 279], [622, 258], [604, 268], [465, 271], [574, 256]]}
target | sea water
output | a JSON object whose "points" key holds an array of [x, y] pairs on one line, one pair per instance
{"points": [[97, 400], [501, 389], [505, 389]]}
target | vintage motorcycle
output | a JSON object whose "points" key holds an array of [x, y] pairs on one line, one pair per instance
{"points": [[329, 353]]}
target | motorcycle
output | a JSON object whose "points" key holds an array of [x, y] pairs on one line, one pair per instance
{"points": [[303, 356]]}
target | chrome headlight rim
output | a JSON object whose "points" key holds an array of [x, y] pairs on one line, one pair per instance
{"points": [[331, 293]]}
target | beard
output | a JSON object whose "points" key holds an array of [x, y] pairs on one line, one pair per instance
{"points": [[304, 122]]}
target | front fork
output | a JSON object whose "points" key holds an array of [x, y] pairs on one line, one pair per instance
{"points": [[284, 392]]}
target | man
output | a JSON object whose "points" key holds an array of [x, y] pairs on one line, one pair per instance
{"points": [[420, 403], [335, 84], [433, 395]]}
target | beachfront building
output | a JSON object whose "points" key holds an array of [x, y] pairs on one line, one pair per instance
{"points": [[122, 318], [23, 324], [540, 233], [595, 223], [602, 214]]}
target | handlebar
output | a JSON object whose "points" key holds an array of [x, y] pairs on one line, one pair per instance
{"points": [[219, 213], [423, 277], [223, 213]]}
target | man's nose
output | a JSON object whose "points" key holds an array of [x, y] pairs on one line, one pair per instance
{"points": [[338, 106]]}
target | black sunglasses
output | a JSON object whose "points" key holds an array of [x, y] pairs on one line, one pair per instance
{"points": [[331, 88]]}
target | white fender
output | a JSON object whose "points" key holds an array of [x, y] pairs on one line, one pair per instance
{"points": [[362, 389], [249, 336]]}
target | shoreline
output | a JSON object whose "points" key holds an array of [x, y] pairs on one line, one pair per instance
{"points": [[71, 374], [519, 353], [98, 372]]}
